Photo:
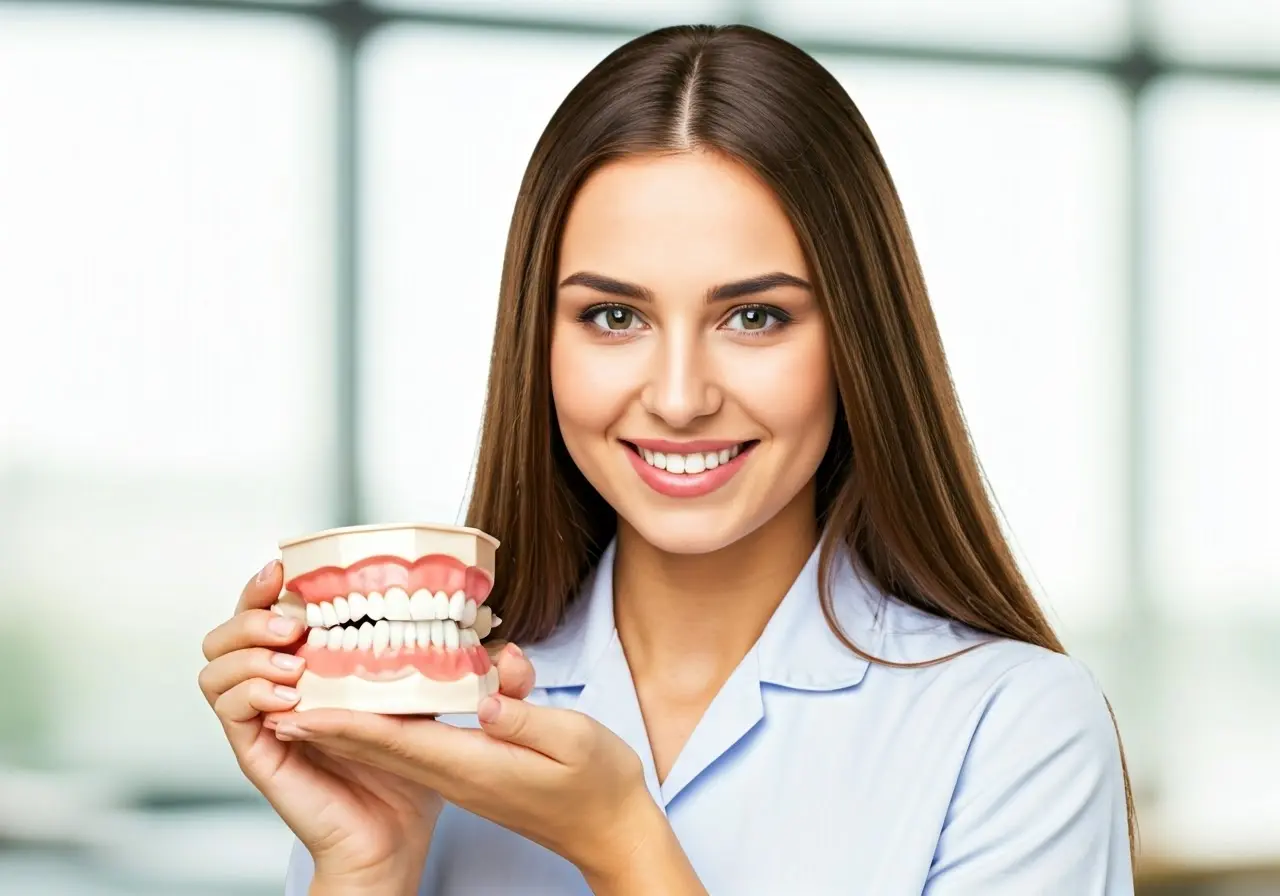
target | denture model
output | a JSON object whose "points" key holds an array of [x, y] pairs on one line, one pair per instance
{"points": [[395, 616]]}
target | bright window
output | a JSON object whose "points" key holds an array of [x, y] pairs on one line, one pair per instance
{"points": [[166, 245], [1020, 227], [441, 172], [1214, 481], [1088, 27]]}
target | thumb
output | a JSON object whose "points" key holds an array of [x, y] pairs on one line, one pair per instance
{"points": [[518, 722]]}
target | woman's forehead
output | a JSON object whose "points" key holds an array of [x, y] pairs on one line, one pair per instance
{"points": [[692, 217]]}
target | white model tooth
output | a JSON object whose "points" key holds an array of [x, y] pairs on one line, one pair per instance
{"points": [[659, 460], [457, 605], [350, 638], [450, 634], [334, 639], [469, 613], [695, 463], [711, 460], [420, 604], [647, 455], [484, 622], [381, 635], [439, 606], [675, 463], [328, 615], [317, 637], [341, 610], [724, 455], [366, 636], [315, 618], [395, 635], [374, 606], [468, 638], [437, 632], [411, 634], [424, 632], [358, 606], [397, 604]]}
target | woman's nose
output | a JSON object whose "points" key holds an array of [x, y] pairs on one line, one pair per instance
{"points": [[681, 385]]}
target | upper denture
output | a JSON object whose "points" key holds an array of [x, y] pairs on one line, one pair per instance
{"points": [[434, 573]]}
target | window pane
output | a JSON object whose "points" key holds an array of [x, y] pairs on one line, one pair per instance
{"points": [[165, 274], [1020, 225], [643, 13], [1218, 741], [1215, 215], [441, 168], [1230, 30], [1080, 26]]}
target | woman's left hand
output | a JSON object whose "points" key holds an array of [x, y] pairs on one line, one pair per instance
{"points": [[555, 776]]}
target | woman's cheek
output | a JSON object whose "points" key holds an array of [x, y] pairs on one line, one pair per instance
{"points": [[787, 388], [591, 385]]}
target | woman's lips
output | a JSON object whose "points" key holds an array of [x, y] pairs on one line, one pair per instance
{"points": [[687, 485]]}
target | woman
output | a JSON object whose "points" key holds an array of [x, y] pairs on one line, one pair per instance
{"points": [[775, 642]]}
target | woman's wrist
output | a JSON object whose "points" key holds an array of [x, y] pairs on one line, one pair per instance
{"points": [[651, 861], [390, 885], [399, 879]]}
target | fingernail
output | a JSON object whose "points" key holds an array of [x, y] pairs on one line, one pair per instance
{"points": [[285, 693], [514, 650], [488, 709], [290, 729], [283, 625], [286, 660], [267, 571]]}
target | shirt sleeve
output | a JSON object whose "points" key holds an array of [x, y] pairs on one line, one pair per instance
{"points": [[1039, 805], [297, 879]]}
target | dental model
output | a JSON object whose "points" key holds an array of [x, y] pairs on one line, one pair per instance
{"points": [[394, 617]]}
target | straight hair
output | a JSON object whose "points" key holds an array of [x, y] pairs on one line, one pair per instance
{"points": [[899, 485]]}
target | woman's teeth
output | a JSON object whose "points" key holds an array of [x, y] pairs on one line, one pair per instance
{"points": [[689, 463]]}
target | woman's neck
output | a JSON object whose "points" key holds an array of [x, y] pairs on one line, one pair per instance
{"points": [[695, 616]]}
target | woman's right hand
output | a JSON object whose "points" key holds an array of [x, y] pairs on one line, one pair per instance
{"points": [[362, 826]]}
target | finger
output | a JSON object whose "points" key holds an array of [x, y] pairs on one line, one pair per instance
{"points": [[239, 708], [515, 673], [226, 671], [263, 589], [422, 749], [556, 733], [252, 628]]}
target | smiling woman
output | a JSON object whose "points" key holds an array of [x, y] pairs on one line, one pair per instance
{"points": [[774, 640], [685, 327]]}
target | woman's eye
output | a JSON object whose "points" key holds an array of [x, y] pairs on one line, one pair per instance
{"points": [[750, 319], [615, 319]]}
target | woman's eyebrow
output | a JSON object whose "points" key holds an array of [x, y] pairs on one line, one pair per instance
{"points": [[724, 292]]}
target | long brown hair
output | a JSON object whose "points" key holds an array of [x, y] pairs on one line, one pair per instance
{"points": [[899, 482]]}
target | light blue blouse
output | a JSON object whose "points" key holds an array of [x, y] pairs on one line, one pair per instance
{"points": [[815, 772]]}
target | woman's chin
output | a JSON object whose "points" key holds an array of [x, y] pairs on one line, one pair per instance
{"points": [[697, 536]]}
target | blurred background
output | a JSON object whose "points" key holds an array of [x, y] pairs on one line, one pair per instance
{"points": [[249, 257]]}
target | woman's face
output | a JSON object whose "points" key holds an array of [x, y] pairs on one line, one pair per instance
{"points": [[689, 362]]}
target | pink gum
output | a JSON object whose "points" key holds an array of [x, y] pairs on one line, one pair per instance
{"points": [[439, 663], [434, 572]]}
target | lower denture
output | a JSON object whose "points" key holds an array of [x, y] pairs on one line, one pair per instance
{"points": [[439, 663]]}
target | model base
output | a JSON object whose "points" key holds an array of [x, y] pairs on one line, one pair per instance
{"points": [[415, 694]]}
